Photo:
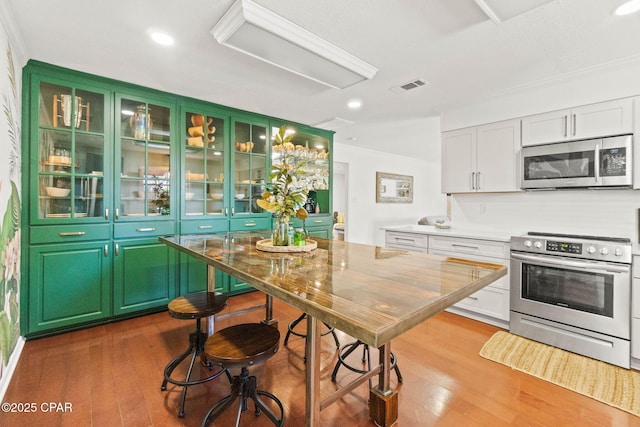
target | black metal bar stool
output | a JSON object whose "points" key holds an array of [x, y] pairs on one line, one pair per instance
{"points": [[347, 349], [193, 306], [303, 316], [241, 346]]}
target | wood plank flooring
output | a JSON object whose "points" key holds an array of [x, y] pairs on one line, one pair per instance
{"points": [[111, 376]]}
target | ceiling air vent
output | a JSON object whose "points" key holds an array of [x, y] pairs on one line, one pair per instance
{"points": [[414, 84]]}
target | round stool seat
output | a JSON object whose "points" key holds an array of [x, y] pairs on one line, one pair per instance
{"points": [[242, 345], [197, 305]]}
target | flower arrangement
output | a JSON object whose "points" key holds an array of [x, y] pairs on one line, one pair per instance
{"points": [[287, 190]]}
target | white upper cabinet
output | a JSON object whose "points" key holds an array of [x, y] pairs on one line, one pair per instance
{"points": [[458, 160], [482, 158], [589, 121]]}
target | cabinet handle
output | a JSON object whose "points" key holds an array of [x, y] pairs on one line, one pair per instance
{"points": [[106, 214], [72, 233], [117, 249], [146, 229], [473, 180], [472, 298], [117, 214], [106, 250], [400, 239], [317, 221], [203, 227], [478, 181], [566, 125], [233, 211], [226, 211], [574, 124], [250, 224], [465, 246]]}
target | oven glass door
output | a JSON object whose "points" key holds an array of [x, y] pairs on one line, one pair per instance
{"points": [[586, 291]]}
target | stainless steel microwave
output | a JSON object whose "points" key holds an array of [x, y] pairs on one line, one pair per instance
{"points": [[603, 162]]}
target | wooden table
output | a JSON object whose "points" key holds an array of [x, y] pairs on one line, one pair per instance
{"points": [[371, 293]]}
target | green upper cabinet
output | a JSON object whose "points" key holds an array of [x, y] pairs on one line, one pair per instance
{"points": [[205, 164], [70, 154], [144, 153], [249, 166], [312, 148]]}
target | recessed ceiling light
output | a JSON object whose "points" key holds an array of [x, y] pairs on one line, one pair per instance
{"points": [[628, 8], [161, 38], [354, 104]]}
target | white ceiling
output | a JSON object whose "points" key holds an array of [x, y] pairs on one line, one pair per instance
{"points": [[450, 43]]}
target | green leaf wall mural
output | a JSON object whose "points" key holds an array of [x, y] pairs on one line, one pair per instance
{"points": [[10, 215]]}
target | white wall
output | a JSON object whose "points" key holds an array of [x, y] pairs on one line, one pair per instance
{"points": [[365, 216], [593, 212]]}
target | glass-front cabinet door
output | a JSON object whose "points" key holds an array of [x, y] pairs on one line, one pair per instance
{"points": [[205, 164], [311, 148], [72, 156], [143, 160], [249, 167]]}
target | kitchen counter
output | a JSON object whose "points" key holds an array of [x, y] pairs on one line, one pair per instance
{"points": [[498, 236]]}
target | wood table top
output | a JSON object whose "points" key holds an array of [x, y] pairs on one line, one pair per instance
{"points": [[372, 293]]}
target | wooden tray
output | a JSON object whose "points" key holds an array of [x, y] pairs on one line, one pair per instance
{"points": [[266, 246]]}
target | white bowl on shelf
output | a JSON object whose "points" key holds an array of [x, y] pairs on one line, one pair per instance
{"points": [[216, 196], [57, 192], [239, 196]]}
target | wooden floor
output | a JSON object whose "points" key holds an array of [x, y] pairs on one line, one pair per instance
{"points": [[110, 376]]}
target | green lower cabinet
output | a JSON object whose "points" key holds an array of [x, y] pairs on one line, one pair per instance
{"points": [[70, 284], [316, 225], [144, 275], [319, 232], [237, 286], [193, 276]]}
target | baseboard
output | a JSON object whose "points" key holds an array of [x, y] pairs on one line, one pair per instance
{"points": [[11, 368]]}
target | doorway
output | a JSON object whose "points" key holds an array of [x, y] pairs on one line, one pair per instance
{"points": [[340, 200]]}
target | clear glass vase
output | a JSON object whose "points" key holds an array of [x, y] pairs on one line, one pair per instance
{"points": [[280, 236]]}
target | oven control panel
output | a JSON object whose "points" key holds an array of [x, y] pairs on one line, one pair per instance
{"points": [[566, 247], [600, 249]]}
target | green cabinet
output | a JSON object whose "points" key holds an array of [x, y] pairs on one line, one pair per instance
{"points": [[110, 166], [144, 275], [69, 151], [70, 284], [312, 148]]}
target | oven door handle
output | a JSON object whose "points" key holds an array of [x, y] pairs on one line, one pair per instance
{"points": [[609, 268]]}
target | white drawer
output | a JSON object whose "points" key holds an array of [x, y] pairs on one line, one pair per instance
{"points": [[488, 301], [408, 248], [406, 240], [501, 283], [485, 248]]}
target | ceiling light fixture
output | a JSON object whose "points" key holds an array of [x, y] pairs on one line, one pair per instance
{"points": [[354, 104], [501, 10], [161, 38], [628, 8], [258, 32]]}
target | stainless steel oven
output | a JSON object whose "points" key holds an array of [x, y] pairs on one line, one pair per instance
{"points": [[573, 292]]}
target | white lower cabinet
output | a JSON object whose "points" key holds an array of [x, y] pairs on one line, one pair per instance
{"points": [[490, 304], [415, 242], [635, 309]]}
